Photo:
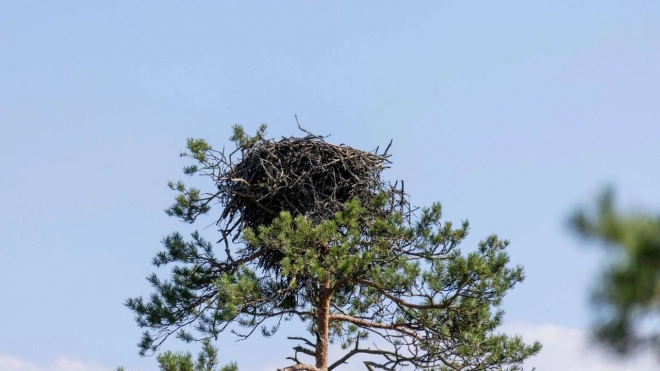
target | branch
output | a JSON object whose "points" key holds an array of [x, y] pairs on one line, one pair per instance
{"points": [[395, 327], [302, 339], [302, 350], [445, 304], [353, 352]]}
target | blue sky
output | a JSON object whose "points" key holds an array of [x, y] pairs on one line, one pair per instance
{"points": [[510, 113]]}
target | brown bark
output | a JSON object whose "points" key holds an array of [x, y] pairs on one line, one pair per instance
{"points": [[323, 319]]}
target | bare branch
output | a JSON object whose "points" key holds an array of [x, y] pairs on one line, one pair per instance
{"points": [[385, 292], [362, 323]]}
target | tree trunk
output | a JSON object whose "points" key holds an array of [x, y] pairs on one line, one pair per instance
{"points": [[323, 317], [322, 326]]}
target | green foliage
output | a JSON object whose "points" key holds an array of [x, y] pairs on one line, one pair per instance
{"points": [[629, 291], [244, 141], [401, 279], [207, 360], [169, 361]]}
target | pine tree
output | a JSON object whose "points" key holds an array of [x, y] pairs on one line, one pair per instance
{"points": [[390, 284], [627, 296]]}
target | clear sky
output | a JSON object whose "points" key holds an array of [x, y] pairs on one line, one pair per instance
{"points": [[510, 113]]}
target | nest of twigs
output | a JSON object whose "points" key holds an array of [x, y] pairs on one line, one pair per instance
{"points": [[302, 175]]}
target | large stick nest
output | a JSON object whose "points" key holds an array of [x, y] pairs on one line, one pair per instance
{"points": [[304, 176]]}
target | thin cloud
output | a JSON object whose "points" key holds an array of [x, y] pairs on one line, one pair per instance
{"points": [[569, 349], [9, 363]]}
